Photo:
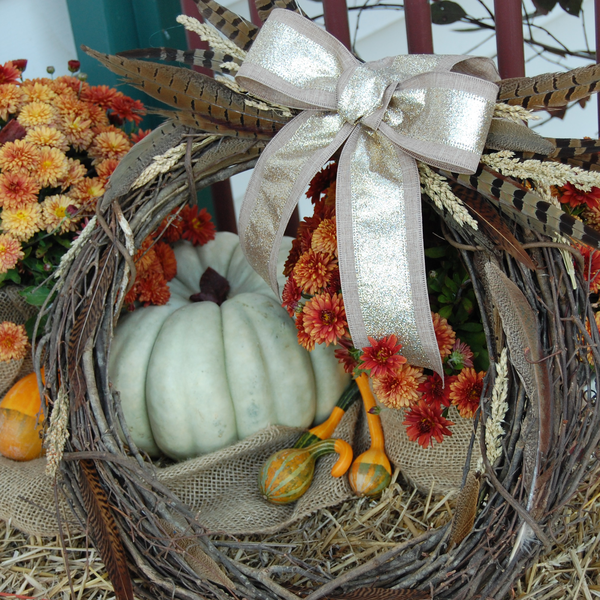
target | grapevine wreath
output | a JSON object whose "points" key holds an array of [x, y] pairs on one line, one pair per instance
{"points": [[516, 212]]}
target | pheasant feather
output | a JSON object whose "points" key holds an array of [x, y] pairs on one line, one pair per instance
{"points": [[265, 7]]}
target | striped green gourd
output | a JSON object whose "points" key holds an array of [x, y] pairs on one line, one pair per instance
{"points": [[287, 474]]}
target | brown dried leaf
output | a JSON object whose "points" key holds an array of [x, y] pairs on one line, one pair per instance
{"points": [[466, 510]]}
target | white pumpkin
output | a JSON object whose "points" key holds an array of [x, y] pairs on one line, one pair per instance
{"points": [[195, 377]]}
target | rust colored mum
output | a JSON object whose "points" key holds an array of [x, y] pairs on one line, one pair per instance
{"points": [[435, 392], [101, 95], [304, 339], [153, 289], [13, 341], [424, 423], [575, 197], [465, 391], [291, 295], [17, 189], [382, 357], [10, 252], [591, 269], [197, 225], [444, 334], [313, 271], [171, 227], [325, 318], [166, 257], [590, 356], [9, 73], [139, 135], [321, 181], [345, 357], [398, 388], [460, 356], [128, 109]]}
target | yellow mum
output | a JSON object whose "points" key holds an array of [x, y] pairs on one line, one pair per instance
{"points": [[56, 213], [11, 98], [22, 223], [47, 136], [52, 168], [36, 113]]}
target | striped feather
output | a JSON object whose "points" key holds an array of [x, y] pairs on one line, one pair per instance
{"points": [[551, 89], [524, 207], [200, 98], [265, 7], [104, 530], [235, 28], [210, 59]]}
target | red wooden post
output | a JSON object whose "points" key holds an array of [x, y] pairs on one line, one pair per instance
{"points": [[509, 38], [417, 14], [221, 192], [254, 13], [336, 20]]}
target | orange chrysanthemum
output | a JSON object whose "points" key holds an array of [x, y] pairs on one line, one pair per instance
{"points": [[324, 318], [101, 95], [35, 91], [324, 238], [590, 356], [424, 423], [153, 289], [23, 222], [465, 391], [11, 99], [313, 270], [97, 116], [70, 105], [575, 197], [166, 258], [17, 189], [87, 191], [13, 341], [47, 136], [106, 168], [19, 156], [145, 258], [197, 226], [10, 252], [35, 114], [78, 132], [9, 73], [128, 109], [75, 173], [52, 168], [444, 334], [57, 213], [399, 387], [109, 144], [304, 339], [382, 357]]}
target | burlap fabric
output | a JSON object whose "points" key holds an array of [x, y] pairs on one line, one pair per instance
{"points": [[221, 488]]}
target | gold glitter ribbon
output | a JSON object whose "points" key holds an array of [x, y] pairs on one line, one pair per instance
{"points": [[385, 114]]}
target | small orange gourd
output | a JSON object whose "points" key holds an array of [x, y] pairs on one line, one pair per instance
{"points": [[371, 472], [21, 420]]}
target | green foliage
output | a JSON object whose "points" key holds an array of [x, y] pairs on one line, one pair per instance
{"points": [[451, 295], [446, 12]]}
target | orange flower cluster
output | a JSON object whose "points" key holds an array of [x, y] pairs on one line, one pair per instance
{"points": [[155, 260], [44, 124], [13, 342], [312, 294]]}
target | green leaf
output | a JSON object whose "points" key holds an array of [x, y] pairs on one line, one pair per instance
{"points": [[30, 325], [474, 327], [63, 242], [12, 275], [467, 304], [446, 12], [544, 6], [36, 296], [445, 311], [436, 252], [434, 285], [452, 285], [573, 7], [444, 300]]}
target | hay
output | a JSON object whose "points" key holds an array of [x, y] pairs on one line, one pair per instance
{"points": [[327, 545]]}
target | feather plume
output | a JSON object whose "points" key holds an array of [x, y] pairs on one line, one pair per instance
{"points": [[201, 101], [210, 59], [551, 89], [86, 323], [508, 135], [492, 224], [264, 7], [235, 28], [528, 209], [104, 530], [466, 510]]}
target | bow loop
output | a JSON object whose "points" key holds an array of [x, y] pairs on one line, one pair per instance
{"points": [[385, 114]]}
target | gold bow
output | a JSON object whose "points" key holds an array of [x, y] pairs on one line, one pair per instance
{"points": [[386, 114]]}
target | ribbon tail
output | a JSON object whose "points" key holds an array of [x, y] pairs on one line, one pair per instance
{"points": [[380, 247], [282, 174]]}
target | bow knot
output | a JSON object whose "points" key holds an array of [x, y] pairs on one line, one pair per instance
{"points": [[361, 92], [383, 115]]}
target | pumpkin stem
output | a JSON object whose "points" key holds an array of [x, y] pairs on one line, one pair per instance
{"points": [[213, 288]]}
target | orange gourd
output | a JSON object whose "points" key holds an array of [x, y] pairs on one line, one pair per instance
{"points": [[21, 420], [371, 472]]}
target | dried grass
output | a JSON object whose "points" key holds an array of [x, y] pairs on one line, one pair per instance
{"points": [[326, 544]]}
